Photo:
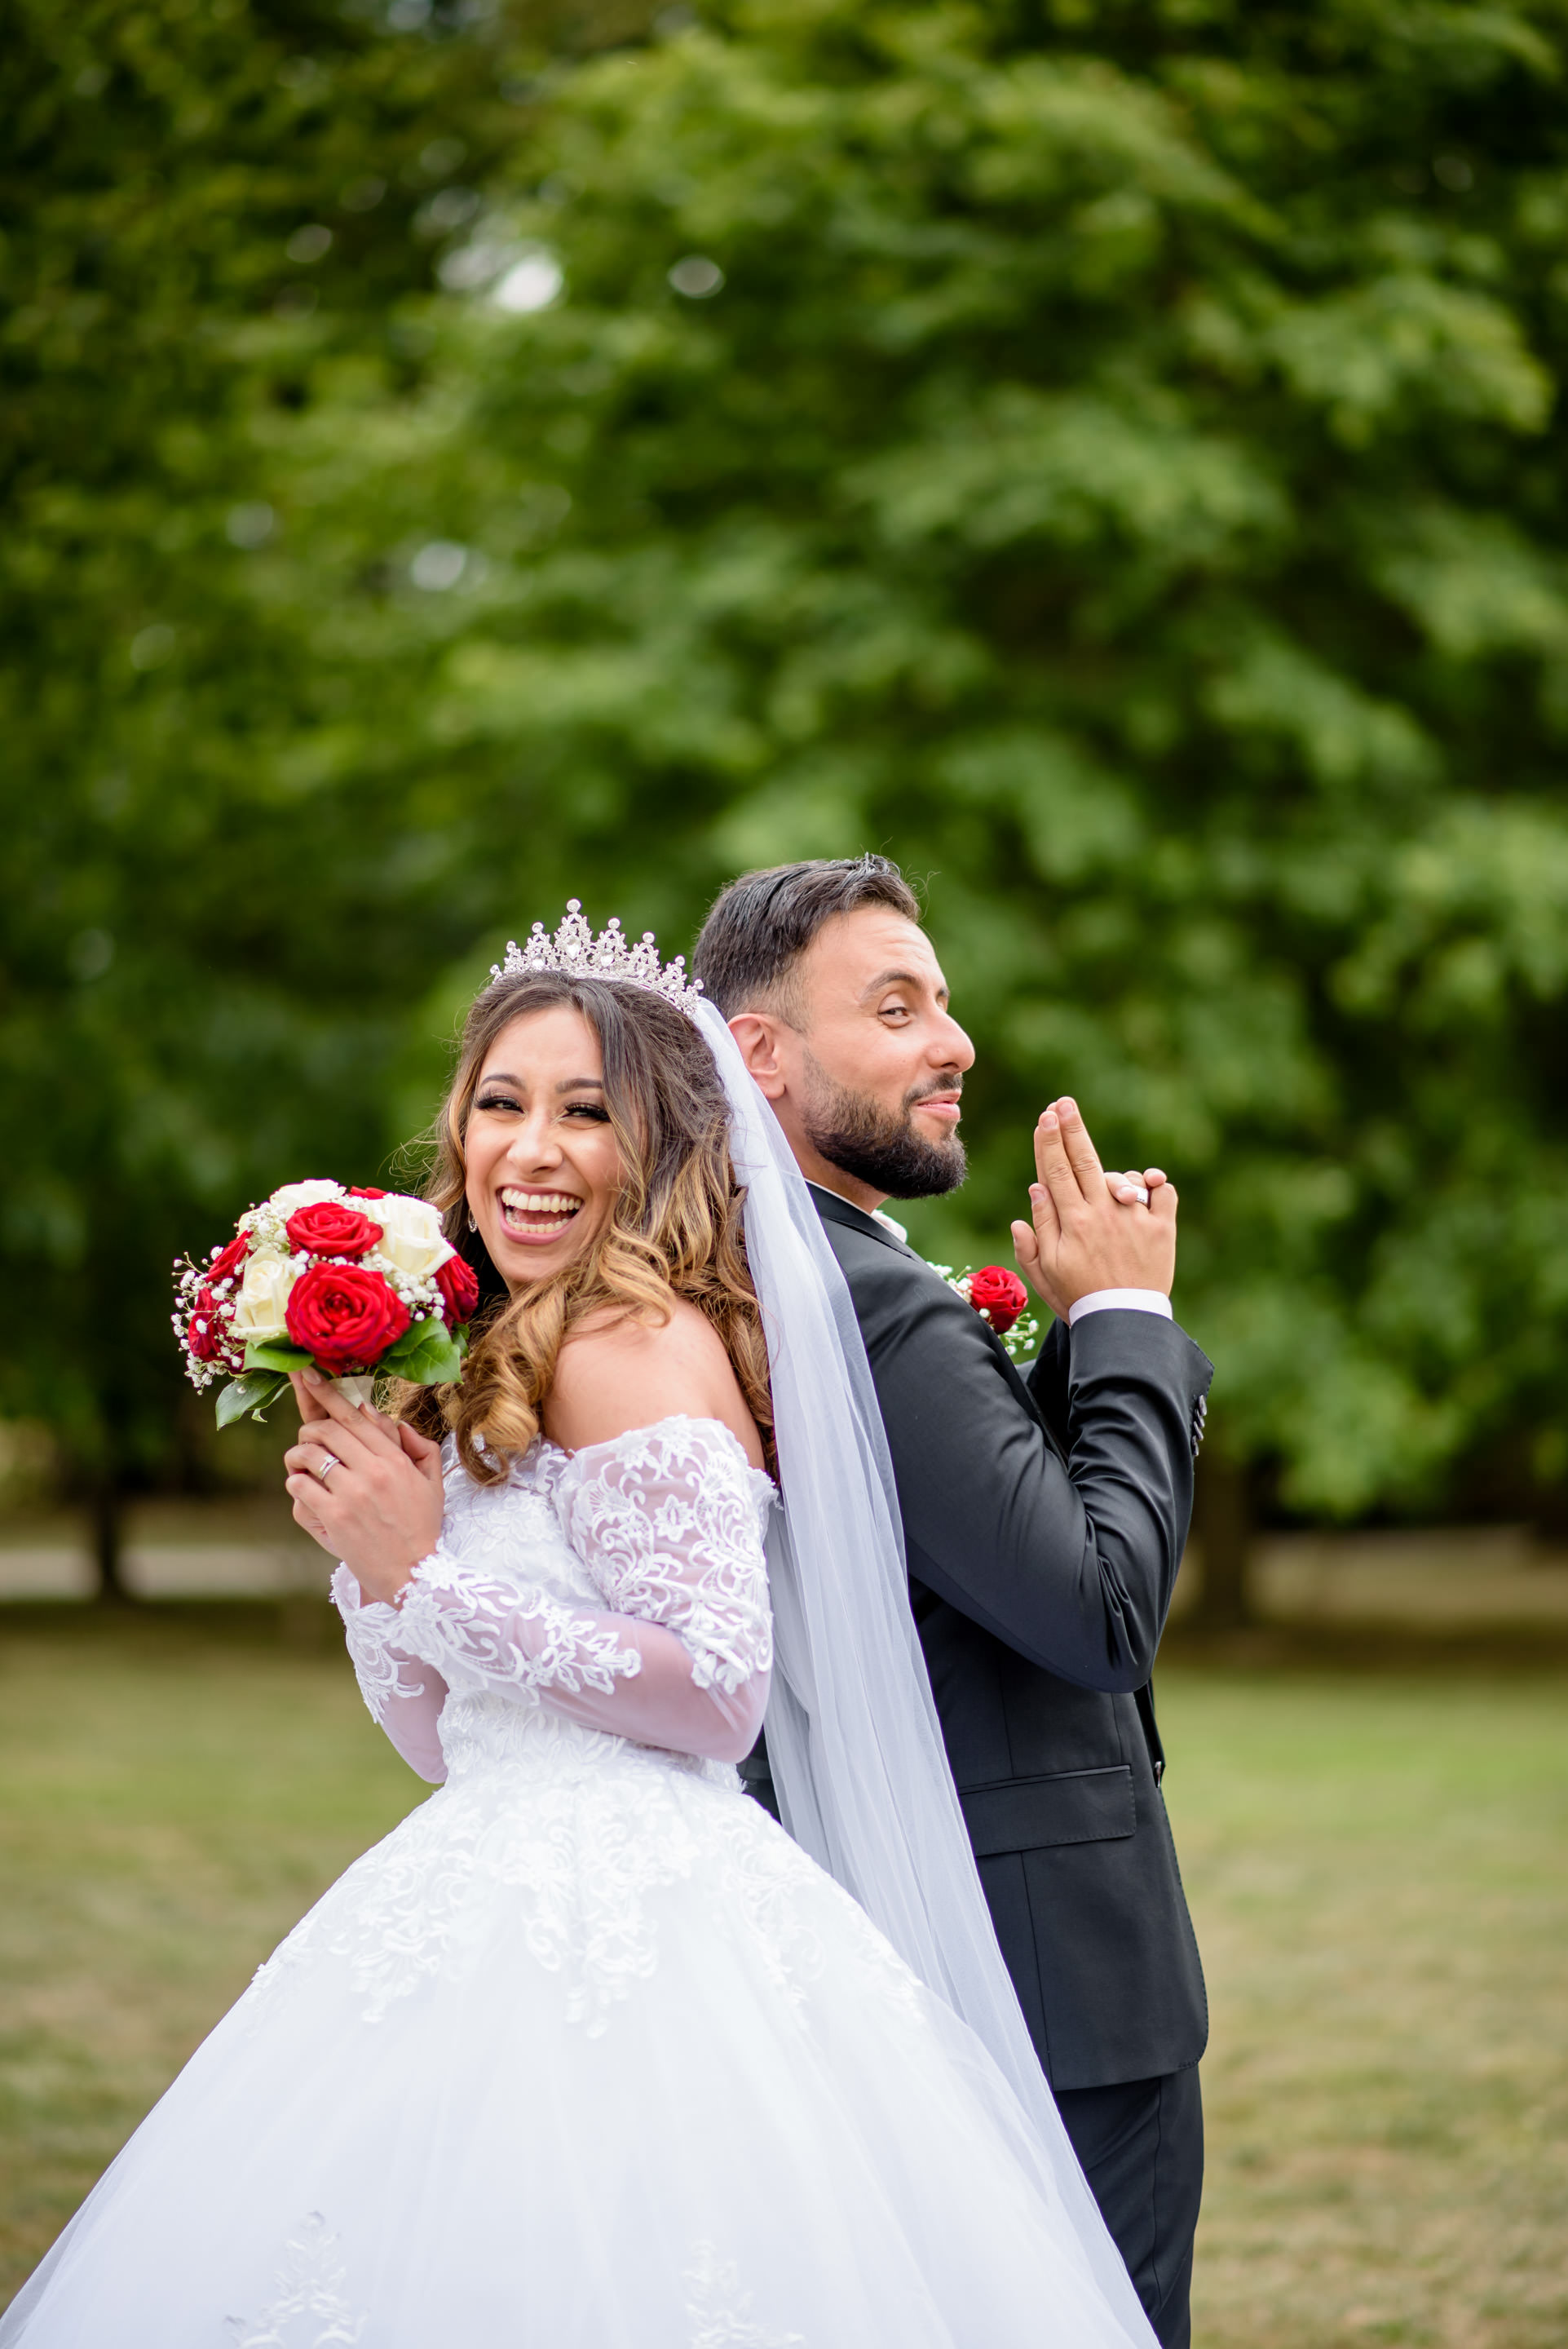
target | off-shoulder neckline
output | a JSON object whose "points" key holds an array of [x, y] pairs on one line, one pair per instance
{"points": [[670, 1419], [542, 1444]]}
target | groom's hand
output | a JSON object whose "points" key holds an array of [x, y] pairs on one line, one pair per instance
{"points": [[1080, 1238]]}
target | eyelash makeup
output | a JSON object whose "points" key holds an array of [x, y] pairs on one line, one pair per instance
{"points": [[591, 1110]]}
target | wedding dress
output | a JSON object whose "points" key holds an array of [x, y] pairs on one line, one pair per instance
{"points": [[587, 2054]]}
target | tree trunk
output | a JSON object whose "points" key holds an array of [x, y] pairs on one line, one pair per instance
{"points": [[1223, 1520], [108, 1521]]}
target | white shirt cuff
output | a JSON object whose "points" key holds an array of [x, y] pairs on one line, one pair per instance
{"points": [[1120, 1300]]}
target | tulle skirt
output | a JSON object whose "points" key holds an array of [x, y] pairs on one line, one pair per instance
{"points": [[585, 2052]]}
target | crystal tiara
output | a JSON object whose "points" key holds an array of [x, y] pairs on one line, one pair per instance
{"points": [[576, 953]]}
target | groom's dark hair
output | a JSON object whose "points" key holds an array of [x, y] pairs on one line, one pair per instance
{"points": [[759, 926]]}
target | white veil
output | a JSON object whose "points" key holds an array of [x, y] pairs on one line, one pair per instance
{"points": [[853, 1739]]}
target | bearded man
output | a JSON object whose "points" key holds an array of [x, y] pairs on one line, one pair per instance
{"points": [[1044, 1516]]}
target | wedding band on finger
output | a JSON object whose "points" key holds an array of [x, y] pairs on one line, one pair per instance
{"points": [[328, 1463], [1139, 1195]]}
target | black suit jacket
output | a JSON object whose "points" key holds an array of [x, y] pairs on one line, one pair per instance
{"points": [[1044, 1523]]}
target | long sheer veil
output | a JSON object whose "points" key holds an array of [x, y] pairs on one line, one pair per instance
{"points": [[853, 1739]]}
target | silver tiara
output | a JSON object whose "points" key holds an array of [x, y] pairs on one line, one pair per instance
{"points": [[576, 953]]}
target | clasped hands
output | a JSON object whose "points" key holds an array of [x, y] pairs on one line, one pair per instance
{"points": [[1088, 1230], [367, 1488]]}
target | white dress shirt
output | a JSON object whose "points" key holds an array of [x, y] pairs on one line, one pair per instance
{"points": [[1120, 1301]]}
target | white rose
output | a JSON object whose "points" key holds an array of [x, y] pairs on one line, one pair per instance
{"points": [[295, 1196], [263, 1294], [411, 1236]]}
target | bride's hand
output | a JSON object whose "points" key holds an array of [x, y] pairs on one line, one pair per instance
{"points": [[378, 1506]]}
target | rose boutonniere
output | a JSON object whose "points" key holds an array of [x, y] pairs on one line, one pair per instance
{"points": [[999, 1298]]}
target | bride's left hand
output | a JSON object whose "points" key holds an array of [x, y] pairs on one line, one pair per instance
{"points": [[379, 1505]]}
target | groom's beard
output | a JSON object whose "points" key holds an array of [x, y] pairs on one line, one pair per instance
{"points": [[880, 1147]]}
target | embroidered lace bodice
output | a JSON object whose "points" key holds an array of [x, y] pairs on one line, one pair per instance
{"points": [[623, 1587]]}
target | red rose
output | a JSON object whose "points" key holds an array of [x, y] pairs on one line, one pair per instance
{"points": [[206, 1333], [344, 1317], [227, 1261], [327, 1228], [998, 1296], [460, 1286], [356, 1191]]}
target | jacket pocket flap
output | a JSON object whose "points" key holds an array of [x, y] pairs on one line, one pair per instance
{"points": [[1074, 1806]]}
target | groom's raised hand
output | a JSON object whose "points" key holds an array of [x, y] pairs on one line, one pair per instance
{"points": [[1080, 1238]]}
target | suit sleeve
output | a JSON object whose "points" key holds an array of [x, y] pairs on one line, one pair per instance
{"points": [[1073, 1565], [1048, 1382]]}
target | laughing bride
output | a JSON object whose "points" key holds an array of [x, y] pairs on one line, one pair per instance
{"points": [[589, 2053]]}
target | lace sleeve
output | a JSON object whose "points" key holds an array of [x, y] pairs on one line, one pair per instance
{"points": [[666, 1522], [483, 1631], [405, 1695]]}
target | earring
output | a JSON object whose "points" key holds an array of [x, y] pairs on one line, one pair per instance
{"points": [[472, 1225]]}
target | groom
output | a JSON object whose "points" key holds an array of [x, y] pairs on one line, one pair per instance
{"points": [[1044, 1520]]}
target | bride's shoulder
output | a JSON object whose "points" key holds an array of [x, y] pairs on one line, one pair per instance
{"points": [[618, 1371]]}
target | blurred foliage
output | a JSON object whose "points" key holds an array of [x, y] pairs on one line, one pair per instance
{"points": [[216, 889], [1101, 453]]}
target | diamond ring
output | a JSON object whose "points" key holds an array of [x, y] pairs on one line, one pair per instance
{"points": [[329, 1462]]}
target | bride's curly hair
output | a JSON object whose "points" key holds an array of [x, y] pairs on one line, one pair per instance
{"points": [[675, 1229]]}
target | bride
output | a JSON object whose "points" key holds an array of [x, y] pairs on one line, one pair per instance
{"points": [[589, 2053]]}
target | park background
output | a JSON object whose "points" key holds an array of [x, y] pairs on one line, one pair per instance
{"points": [[1109, 457]]}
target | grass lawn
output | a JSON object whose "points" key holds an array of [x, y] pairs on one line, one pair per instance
{"points": [[1375, 1862], [175, 1791], [1377, 1865]]}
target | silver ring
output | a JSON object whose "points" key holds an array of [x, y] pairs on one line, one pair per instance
{"points": [[1140, 1196], [329, 1462]]}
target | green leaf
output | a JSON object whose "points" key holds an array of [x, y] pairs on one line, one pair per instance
{"points": [[277, 1354], [428, 1353], [254, 1393]]}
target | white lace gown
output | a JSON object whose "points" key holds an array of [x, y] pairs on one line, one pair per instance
{"points": [[586, 2054]]}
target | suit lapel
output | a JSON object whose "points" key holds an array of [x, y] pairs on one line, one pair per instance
{"points": [[834, 1210]]}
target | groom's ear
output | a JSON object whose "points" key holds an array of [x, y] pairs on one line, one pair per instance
{"points": [[756, 1034]]}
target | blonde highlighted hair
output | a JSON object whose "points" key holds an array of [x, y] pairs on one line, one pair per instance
{"points": [[674, 1228]]}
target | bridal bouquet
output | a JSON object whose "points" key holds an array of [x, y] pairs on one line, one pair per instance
{"points": [[999, 1298], [348, 1281]]}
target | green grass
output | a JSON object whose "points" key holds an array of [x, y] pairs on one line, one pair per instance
{"points": [[1374, 1860], [1377, 1868], [175, 1791]]}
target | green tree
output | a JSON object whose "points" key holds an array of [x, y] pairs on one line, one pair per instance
{"points": [[1101, 453], [216, 886]]}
